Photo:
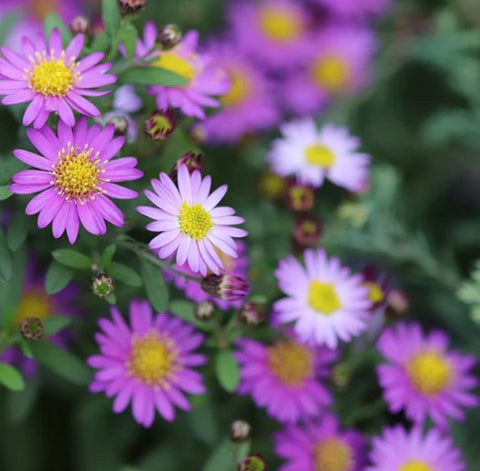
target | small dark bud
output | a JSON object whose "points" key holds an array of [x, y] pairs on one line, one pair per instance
{"points": [[252, 313], [31, 328], [120, 124], [204, 311], [253, 463], [299, 198], [306, 232], [191, 160], [129, 7], [160, 125], [80, 25], [228, 287], [239, 431], [102, 285], [169, 36]]}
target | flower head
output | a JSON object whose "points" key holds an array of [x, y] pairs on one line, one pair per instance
{"points": [[51, 79], [399, 450], [313, 155], [325, 301], [189, 222], [76, 177], [149, 363], [320, 446], [285, 377], [423, 377], [357, 9]]}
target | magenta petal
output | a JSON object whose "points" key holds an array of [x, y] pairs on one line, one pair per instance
{"points": [[38, 202], [116, 191], [109, 210], [33, 110], [73, 223], [65, 112]]}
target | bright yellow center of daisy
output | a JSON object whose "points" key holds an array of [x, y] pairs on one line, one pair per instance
{"points": [[333, 455], [429, 372], [33, 303], [290, 362], [279, 25], [52, 77], [152, 358], [415, 465], [194, 220], [76, 175], [240, 88], [331, 72], [323, 297], [175, 63], [319, 155], [375, 293]]}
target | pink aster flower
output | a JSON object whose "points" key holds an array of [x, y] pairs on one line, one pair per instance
{"points": [[325, 301], [313, 155], [76, 176], [423, 377], [189, 222], [274, 32], [338, 63], [321, 446], [248, 106], [204, 80], [51, 79], [399, 450], [357, 9], [285, 377], [149, 363]]}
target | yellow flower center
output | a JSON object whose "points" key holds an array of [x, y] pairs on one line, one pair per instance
{"points": [[34, 303], [175, 63], [429, 372], [160, 125], [41, 8], [52, 77], [240, 88], [415, 465], [375, 293], [194, 221], [331, 72], [279, 25], [319, 155], [290, 362], [333, 454], [323, 297], [152, 358], [76, 175]]}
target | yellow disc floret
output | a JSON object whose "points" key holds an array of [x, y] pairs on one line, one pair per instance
{"points": [[240, 88], [331, 73], [429, 372], [194, 221], [34, 303], [415, 465], [333, 454], [175, 63], [375, 293], [319, 155], [279, 25], [323, 297], [290, 362]]}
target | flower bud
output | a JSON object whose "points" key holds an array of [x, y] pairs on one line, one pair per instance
{"points": [[204, 311], [102, 285], [198, 134], [306, 231], [239, 431], [80, 25], [31, 328], [191, 160], [397, 303], [120, 124], [228, 287], [252, 463], [252, 313], [160, 124], [169, 36], [129, 7], [299, 198]]}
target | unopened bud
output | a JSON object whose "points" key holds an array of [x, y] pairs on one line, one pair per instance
{"points": [[169, 36], [252, 313], [120, 124], [306, 231], [129, 7], [240, 431], [160, 124], [228, 287], [299, 198], [253, 463], [31, 328], [102, 285], [191, 160], [397, 303], [204, 311], [80, 25]]}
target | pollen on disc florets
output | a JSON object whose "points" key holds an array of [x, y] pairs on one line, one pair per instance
{"points": [[194, 221]]}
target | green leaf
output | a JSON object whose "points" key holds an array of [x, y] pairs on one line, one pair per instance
{"points": [[17, 232], [52, 21], [125, 274], [6, 265], [111, 17], [20, 403], [5, 192], [11, 378], [185, 310], [222, 458], [153, 76], [155, 286], [111, 299], [128, 36], [226, 368], [107, 257], [58, 276], [54, 324], [61, 362], [100, 43], [72, 258]]}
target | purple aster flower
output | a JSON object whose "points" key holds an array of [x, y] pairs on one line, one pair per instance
{"points": [[149, 363], [189, 222], [51, 79], [321, 446], [274, 32], [356, 9], [423, 377], [126, 99], [285, 377], [204, 80], [399, 450], [325, 301], [313, 155], [338, 60], [76, 177], [248, 106]]}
